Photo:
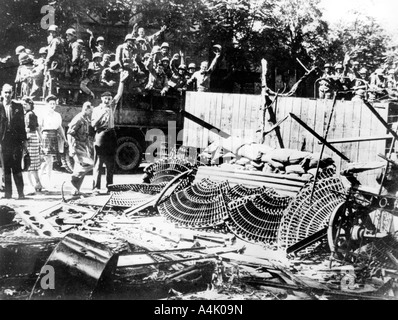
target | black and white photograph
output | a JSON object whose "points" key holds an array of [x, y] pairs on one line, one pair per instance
{"points": [[199, 154]]}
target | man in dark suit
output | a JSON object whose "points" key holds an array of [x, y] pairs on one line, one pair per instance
{"points": [[13, 139]]}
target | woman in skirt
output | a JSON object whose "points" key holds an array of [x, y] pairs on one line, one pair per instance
{"points": [[33, 143], [53, 136]]}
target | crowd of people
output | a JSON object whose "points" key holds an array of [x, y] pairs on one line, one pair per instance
{"points": [[90, 137], [88, 65], [351, 81], [139, 65]]}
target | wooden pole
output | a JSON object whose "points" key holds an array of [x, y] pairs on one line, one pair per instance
{"points": [[272, 119], [320, 138], [323, 145], [357, 139]]}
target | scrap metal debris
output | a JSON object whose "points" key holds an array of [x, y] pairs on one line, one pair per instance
{"points": [[176, 238]]}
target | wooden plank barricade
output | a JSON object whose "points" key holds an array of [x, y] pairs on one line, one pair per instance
{"points": [[240, 116]]}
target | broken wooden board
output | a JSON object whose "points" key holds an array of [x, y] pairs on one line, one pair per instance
{"points": [[39, 224]]}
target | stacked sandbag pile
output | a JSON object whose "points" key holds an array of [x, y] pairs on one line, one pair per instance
{"points": [[260, 157]]}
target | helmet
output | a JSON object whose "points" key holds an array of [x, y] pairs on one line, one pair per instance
{"points": [[217, 48], [338, 66], [71, 31], [19, 50], [379, 71], [182, 67], [114, 65], [192, 66], [164, 45], [165, 59], [129, 37], [363, 71], [43, 50], [355, 63], [155, 49], [327, 65], [24, 58], [80, 41], [97, 55], [100, 38], [53, 27]]}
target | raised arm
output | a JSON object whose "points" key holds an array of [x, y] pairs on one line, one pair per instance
{"points": [[214, 62], [91, 41], [123, 77], [152, 38], [135, 29], [174, 63]]}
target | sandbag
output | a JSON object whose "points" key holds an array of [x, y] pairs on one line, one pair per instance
{"points": [[296, 168], [268, 169], [242, 161], [249, 151], [297, 156], [281, 155], [266, 158], [254, 151], [311, 161], [250, 167], [232, 144]]}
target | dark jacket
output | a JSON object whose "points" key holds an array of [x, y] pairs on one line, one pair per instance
{"points": [[15, 133]]}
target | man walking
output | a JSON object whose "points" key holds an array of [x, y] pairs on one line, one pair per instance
{"points": [[80, 146], [13, 139], [105, 136]]}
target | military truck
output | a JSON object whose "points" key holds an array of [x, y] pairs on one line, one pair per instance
{"points": [[139, 120]]}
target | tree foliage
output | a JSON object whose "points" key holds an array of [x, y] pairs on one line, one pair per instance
{"points": [[281, 31], [361, 37]]}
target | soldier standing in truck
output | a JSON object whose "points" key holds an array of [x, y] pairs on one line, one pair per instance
{"points": [[202, 77], [146, 43]]}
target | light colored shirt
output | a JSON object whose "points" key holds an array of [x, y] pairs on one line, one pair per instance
{"points": [[50, 121]]}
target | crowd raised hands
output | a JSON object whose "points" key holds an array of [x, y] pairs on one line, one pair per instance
{"points": [[75, 69]]}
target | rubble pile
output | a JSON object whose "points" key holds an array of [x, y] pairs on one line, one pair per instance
{"points": [[187, 239]]}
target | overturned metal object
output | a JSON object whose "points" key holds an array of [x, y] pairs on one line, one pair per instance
{"points": [[7, 215], [78, 268]]}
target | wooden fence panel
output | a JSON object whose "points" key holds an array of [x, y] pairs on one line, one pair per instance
{"points": [[241, 115]]}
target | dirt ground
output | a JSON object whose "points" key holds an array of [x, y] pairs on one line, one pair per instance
{"points": [[227, 268]]}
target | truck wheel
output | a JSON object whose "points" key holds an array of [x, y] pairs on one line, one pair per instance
{"points": [[128, 154]]}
